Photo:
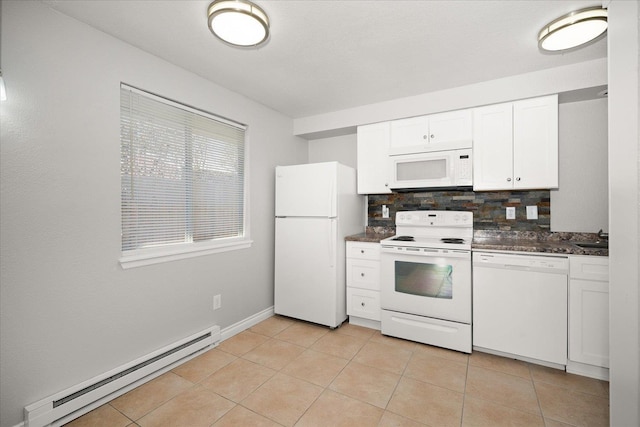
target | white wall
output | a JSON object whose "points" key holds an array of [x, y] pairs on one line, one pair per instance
{"points": [[68, 310], [342, 149], [624, 197], [581, 202]]}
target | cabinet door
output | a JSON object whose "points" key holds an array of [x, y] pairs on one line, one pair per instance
{"points": [[493, 147], [535, 143], [589, 322], [589, 310], [409, 135], [452, 130], [373, 158]]}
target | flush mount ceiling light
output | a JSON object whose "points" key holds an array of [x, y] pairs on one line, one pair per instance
{"points": [[238, 22], [573, 29]]}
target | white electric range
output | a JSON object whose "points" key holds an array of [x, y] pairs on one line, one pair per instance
{"points": [[426, 279]]}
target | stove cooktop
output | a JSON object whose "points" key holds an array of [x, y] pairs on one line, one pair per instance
{"points": [[428, 242], [433, 229]]}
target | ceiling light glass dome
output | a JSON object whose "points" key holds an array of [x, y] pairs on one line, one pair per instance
{"points": [[573, 29], [238, 22]]}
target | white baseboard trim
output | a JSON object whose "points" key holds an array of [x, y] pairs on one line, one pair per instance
{"points": [[245, 324], [517, 357], [367, 323], [585, 370]]}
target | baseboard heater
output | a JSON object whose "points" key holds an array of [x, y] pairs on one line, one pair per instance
{"points": [[71, 403]]}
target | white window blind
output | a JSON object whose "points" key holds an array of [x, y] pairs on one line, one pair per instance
{"points": [[182, 174]]}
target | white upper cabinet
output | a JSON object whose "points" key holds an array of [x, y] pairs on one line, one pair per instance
{"points": [[409, 135], [373, 158], [493, 147], [453, 130], [535, 143], [431, 133], [515, 145]]}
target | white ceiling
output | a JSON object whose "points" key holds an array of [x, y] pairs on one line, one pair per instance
{"points": [[325, 56]]}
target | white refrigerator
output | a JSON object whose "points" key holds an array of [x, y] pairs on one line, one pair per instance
{"points": [[316, 208]]}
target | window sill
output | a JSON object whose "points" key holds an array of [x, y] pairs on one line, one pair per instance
{"points": [[159, 255]]}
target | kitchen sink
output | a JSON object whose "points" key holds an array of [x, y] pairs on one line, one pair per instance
{"points": [[592, 245]]}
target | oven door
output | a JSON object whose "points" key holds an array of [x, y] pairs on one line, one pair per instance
{"points": [[427, 282]]}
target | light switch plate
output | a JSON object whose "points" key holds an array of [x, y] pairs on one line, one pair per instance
{"points": [[511, 212], [532, 212]]}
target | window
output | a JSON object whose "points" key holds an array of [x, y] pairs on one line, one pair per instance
{"points": [[183, 186]]}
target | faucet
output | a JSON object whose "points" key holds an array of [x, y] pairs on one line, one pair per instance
{"points": [[603, 236]]}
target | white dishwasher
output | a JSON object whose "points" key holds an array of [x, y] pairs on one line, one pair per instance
{"points": [[520, 306]]}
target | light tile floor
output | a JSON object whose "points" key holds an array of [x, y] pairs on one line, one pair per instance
{"points": [[284, 372]]}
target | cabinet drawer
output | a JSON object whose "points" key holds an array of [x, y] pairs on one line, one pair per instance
{"points": [[363, 250], [589, 268], [363, 274], [363, 303]]}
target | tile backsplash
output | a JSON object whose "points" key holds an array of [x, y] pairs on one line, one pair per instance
{"points": [[488, 207]]}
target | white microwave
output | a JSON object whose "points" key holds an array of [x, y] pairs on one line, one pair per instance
{"points": [[438, 169]]}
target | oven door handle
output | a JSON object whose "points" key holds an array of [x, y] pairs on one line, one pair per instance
{"points": [[424, 325]]}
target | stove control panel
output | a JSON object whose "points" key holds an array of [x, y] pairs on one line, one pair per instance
{"points": [[434, 218]]}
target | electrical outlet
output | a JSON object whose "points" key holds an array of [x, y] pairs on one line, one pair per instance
{"points": [[385, 211], [217, 302], [511, 212], [532, 212]]}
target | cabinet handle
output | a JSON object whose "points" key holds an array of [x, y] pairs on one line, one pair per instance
{"points": [[362, 304], [508, 179], [518, 179], [362, 274], [386, 184], [361, 251], [424, 136], [432, 136]]}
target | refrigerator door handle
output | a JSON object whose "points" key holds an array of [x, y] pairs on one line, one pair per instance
{"points": [[332, 198], [332, 244]]}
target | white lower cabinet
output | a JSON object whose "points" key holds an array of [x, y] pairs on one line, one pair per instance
{"points": [[589, 316], [363, 284]]}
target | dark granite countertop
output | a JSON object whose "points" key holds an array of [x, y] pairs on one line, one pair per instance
{"points": [[372, 234], [542, 242], [512, 241]]}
